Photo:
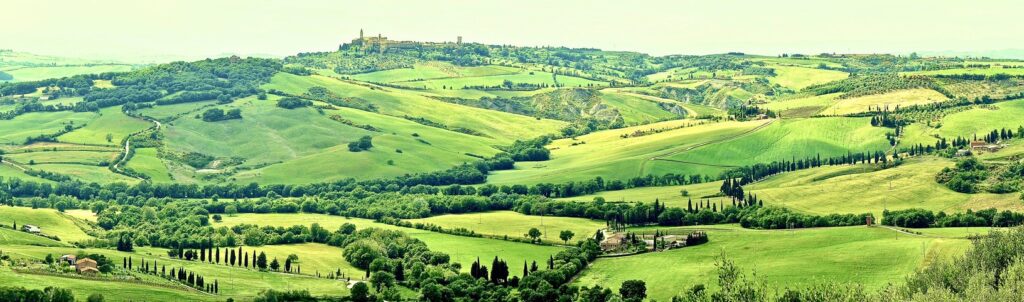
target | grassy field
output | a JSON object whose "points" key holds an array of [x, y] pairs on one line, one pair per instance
{"points": [[87, 173], [7, 171], [861, 188], [313, 258], [519, 77], [111, 291], [982, 120], [802, 107], [513, 224], [26, 74], [422, 149], [869, 256], [162, 112], [636, 110], [90, 158], [146, 162], [994, 70], [502, 127], [671, 196], [111, 121], [16, 130], [797, 78], [433, 70], [49, 221], [891, 100], [463, 249], [234, 282], [609, 155], [10, 237], [792, 138]]}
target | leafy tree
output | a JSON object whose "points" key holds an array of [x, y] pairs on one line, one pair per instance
{"points": [[633, 290], [360, 292], [534, 234], [381, 280], [261, 261], [566, 235]]}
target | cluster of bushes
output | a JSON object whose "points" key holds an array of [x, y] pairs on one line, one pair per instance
{"points": [[49, 294], [965, 176], [920, 218], [293, 102], [363, 144], [217, 114]]}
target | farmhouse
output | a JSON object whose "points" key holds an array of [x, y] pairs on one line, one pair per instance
{"points": [[612, 242], [86, 266], [70, 259], [985, 146], [31, 229]]}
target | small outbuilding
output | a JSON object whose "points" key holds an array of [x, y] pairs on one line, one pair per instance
{"points": [[31, 229]]}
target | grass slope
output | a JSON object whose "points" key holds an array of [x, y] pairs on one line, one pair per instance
{"points": [[15, 131], [609, 155], [901, 98], [502, 127], [860, 189], [873, 257], [147, 162], [982, 120], [792, 138], [111, 121], [797, 78], [49, 221], [513, 224]]}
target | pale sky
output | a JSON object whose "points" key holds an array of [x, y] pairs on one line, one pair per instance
{"points": [[200, 28]]}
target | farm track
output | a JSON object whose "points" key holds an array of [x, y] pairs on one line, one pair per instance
{"points": [[643, 166]]}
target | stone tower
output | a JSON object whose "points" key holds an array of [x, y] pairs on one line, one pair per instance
{"points": [[459, 40], [360, 34]]}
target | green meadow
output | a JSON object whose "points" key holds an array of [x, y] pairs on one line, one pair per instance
{"points": [[111, 121], [982, 120], [802, 107], [16, 130], [502, 127], [792, 138], [26, 74], [234, 282], [400, 147], [609, 155], [891, 100], [516, 225], [798, 78], [462, 249], [873, 257], [49, 221], [863, 188], [92, 158], [147, 162], [87, 173], [636, 110]]}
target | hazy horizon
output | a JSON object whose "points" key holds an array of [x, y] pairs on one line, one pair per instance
{"points": [[196, 29]]}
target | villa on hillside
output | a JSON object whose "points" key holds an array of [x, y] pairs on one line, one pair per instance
{"points": [[86, 266], [31, 229], [985, 146]]}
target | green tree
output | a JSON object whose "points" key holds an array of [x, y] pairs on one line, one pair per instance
{"points": [[95, 298], [360, 292], [534, 234], [261, 261], [566, 235], [274, 265], [633, 290], [381, 280]]}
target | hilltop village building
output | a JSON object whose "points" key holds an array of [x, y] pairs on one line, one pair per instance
{"points": [[380, 44]]}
